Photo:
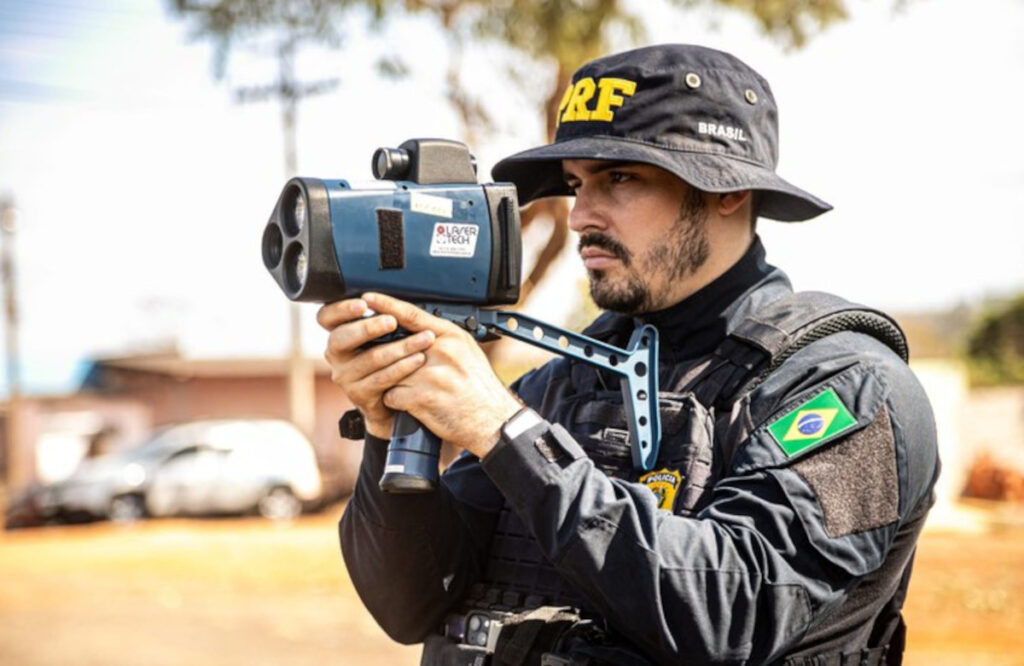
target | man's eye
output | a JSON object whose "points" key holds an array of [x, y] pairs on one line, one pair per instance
{"points": [[618, 176], [572, 185]]}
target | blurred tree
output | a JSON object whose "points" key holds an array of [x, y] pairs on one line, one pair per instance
{"points": [[558, 34], [277, 29], [995, 348], [937, 334], [227, 23]]}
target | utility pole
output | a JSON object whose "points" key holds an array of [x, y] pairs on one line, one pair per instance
{"points": [[301, 384], [15, 455]]}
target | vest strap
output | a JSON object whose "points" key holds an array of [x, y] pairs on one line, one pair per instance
{"points": [[762, 343]]}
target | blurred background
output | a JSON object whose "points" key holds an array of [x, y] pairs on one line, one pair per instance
{"points": [[170, 461]]}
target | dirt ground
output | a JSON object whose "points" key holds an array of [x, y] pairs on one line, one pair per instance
{"points": [[242, 591]]}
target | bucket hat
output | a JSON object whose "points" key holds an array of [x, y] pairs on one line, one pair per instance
{"points": [[700, 114]]}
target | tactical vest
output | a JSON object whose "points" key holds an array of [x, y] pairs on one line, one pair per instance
{"points": [[702, 413]]}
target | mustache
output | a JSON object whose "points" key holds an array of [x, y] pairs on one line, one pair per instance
{"points": [[606, 243]]}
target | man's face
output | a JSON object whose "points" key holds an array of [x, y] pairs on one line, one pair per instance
{"points": [[642, 233]]}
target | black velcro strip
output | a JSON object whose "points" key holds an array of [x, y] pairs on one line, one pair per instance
{"points": [[391, 238], [855, 479]]}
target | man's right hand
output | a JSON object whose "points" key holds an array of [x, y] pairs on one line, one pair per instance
{"points": [[366, 374]]}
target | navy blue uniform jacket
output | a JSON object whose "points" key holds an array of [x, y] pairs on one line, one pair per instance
{"points": [[790, 555]]}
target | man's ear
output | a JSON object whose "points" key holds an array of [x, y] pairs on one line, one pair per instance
{"points": [[730, 202]]}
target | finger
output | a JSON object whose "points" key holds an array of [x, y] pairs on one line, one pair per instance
{"points": [[381, 356], [348, 337], [375, 385], [405, 398], [332, 315], [397, 399], [408, 315]]}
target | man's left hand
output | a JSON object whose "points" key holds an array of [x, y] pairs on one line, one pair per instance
{"points": [[455, 394]]}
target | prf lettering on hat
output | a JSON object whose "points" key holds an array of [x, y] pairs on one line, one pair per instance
{"points": [[610, 91]]}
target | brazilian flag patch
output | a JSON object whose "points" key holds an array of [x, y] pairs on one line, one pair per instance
{"points": [[819, 419]]}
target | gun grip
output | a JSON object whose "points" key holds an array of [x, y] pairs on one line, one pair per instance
{"points": [[412, 458]]}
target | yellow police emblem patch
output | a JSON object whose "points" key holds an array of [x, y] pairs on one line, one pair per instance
{"points": [[663, 483]]}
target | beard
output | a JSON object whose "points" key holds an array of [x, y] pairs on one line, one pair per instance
{"points": [[686, 250]]}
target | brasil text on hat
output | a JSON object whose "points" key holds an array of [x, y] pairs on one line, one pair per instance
{"points": [[698, 113]]}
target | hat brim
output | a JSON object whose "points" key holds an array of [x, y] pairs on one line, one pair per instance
{"points": [[538, 173]]}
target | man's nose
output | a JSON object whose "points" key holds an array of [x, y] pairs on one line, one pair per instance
{"points": [[585, 214]]}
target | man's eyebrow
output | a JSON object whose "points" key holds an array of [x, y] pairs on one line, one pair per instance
{"points": [[598, 167]]}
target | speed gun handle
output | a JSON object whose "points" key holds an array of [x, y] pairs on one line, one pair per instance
{"points": [[411, 465]]}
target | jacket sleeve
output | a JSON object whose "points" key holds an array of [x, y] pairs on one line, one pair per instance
{"points": [[746, 577], [412, 557]]}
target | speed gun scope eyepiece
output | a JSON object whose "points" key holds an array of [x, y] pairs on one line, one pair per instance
{"points": [[425, 162], [390, 164]]}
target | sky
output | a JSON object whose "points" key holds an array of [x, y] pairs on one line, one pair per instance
{"points": [[142, 187]]}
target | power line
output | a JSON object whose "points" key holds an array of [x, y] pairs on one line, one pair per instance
{"points": [[32, 90], [56, 26], [35, 32], [59, 20], [49, 6]]}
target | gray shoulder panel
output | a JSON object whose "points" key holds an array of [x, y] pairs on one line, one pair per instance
{"points": [[856, 482]]}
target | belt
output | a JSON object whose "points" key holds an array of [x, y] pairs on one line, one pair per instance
{"points": [[485, 637], [476, 628]]}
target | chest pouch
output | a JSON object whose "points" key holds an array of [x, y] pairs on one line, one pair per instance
{"points": [[682, 475]]}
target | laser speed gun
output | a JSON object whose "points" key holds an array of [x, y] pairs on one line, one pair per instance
{"points": [[425, 231]]}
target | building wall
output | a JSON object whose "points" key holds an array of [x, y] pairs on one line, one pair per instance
{"points": [[994, 425], [176, 401], [971, 423], [945, 382], [55, 433]]}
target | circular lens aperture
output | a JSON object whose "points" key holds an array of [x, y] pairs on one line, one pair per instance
{"points": [[273, 245], [296, 267], [294, 210], [299, 215], [301, 267], [381, 163]]}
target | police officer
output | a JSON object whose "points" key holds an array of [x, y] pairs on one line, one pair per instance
{"points": [[798, 453]]}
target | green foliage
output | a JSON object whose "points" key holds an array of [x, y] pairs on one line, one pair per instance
{"points": [[563, 32], [228, 23], [568, 32], [791, 22], [995, 348]]}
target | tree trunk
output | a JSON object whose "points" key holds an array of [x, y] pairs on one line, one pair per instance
{"points": [[555, 209]]}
